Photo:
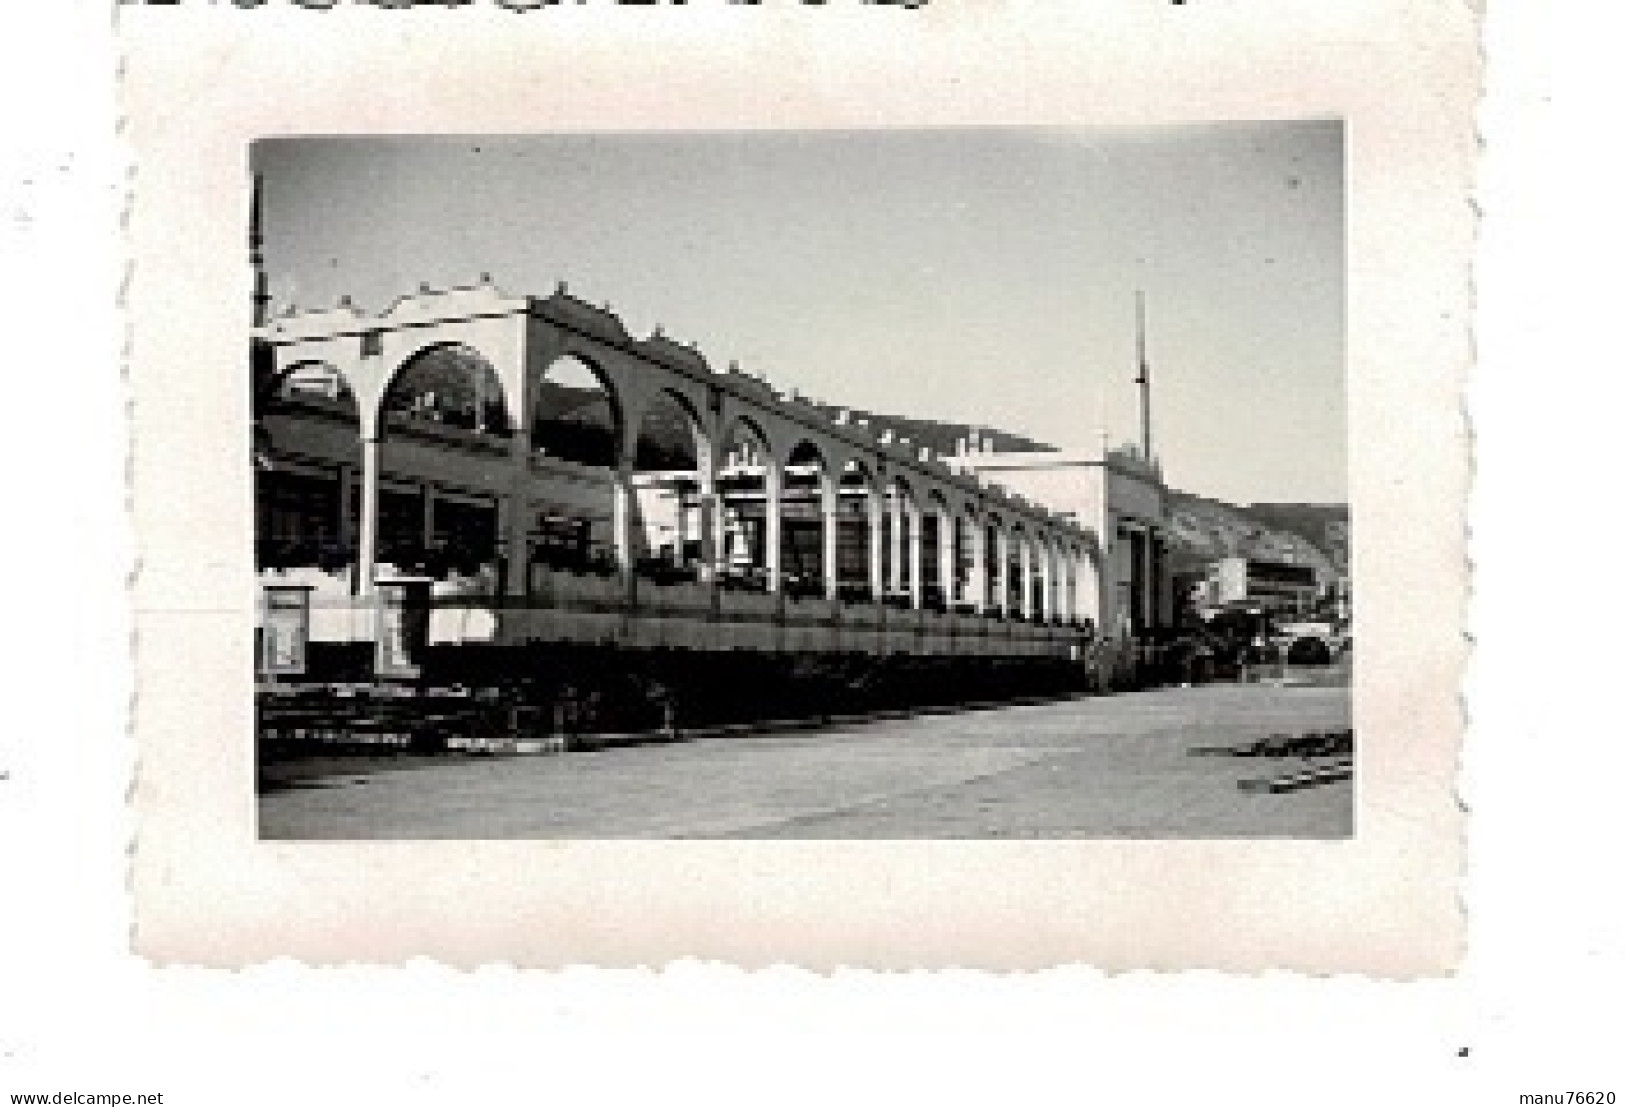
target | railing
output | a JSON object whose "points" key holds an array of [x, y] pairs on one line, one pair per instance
{"points": [[564, 605]]}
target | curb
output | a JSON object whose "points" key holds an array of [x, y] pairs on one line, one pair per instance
{"points": [[578, 743]]}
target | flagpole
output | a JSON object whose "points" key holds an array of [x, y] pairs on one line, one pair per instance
{"points": [[256, 258], [1144, 379]]}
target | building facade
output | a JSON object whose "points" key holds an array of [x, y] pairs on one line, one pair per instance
{"points": [[1276, 585], [528, 454], [1114, 493]]}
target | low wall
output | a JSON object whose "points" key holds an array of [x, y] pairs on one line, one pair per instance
{"points": [[565, 607]]}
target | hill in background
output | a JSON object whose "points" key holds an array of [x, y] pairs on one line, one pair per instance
{"points": [[1324, 525], [1204, 530]]}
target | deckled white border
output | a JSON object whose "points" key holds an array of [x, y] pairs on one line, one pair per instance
{"points": [[199, 87], [1535, 998]]}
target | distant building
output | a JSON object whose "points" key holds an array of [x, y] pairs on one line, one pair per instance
{"points": [[1278, 585], [1116, 493]]}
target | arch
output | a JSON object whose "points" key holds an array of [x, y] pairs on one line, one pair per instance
{"points": [[314, 379], [965, 560], [447, 384], [995, 562], [803, 453], [901, 525], [576, 414], [743, 430], [576, 417], [305, 509], [670, 463], [807, 506], [670, 435], [860, 533], [747, 483]]}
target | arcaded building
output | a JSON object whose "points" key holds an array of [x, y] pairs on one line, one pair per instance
{"points": [[557, 478]]}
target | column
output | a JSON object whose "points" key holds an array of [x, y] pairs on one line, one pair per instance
{"points": [[1088, 603], [622, 501], [1069, 587], [515, 517], [894, 541], [1040, 582], [1120, 579], [366, 562], [976, 579], [916, 553], [948, 556], [877, 551], [1053, 603], [774, 525], [830, 505], [428, 515], [1052, 582], [710, 524], [716, 527], [1026, 577], [1001, 574]]}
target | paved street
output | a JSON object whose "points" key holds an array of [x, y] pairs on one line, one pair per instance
{"points": [[1114, 766]]}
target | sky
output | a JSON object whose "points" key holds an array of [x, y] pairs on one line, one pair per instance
{"points": [[971, 275]]}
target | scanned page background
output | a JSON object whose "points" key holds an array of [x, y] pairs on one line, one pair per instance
{"points": [[1530, 1006], [197, 91]]}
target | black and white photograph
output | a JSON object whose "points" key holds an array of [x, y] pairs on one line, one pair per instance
{"points": [[932, 483], [796, 551]]}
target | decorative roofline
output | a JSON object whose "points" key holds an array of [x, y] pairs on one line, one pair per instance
{"points": [[483, 299]]}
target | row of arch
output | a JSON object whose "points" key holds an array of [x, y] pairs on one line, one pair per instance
{"points": [[758, 499]]}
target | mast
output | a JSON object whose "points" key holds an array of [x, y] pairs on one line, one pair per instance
{"points": [[256, 258], [1144, 378]]}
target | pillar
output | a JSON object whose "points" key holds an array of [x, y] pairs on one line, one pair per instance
{"points": [[623, 505], [515, 517], [774, 526], [428, 514], [1087, 601], [1058, 584], [894, 540], [710, 524], [877, 553], [366, 561], [916, 553], [1039, 585], [976, 578], [1001, 575], [1026, 577], [947, 555], [1052, 581], [829, 493], [1069, 585]]}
